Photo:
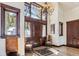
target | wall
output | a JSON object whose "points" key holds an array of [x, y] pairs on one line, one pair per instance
{"points": [[53, 19], [56, 17], [61, 15], [21, 50], [2, 41], [62, 40], [2, 47], [72, 14]]}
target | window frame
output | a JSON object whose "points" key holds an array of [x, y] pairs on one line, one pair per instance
{"points": [[4, 8], [38, 6], [29, 19]]}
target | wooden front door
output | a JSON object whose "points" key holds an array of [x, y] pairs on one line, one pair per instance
{"points": [[73, 33], [37, 30]]}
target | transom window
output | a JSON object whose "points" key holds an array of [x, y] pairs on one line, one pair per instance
{"points": [[27, 9], [35, 11], [27, 29]]}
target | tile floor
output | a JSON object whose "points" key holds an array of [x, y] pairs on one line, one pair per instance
{"points": [[58, 51]]}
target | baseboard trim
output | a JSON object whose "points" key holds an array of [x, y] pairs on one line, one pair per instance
{"points": [[59, 45]]}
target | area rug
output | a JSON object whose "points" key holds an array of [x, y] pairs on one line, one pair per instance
{"points": [[43, 52]]}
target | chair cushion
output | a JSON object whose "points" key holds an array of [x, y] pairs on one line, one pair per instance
{"points": [[28, 45]]}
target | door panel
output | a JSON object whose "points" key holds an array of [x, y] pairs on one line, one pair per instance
{"points": [[73, 33], [69, 34], [37, 32], [12, 44]]}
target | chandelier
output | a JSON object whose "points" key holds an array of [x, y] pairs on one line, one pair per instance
{"points": [[48, 7]]}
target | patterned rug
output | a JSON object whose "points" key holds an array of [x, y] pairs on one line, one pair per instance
{"points": [[43, 52]]}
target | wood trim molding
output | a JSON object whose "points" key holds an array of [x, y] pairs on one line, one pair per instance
{"points": [[9, 8], [2, 23], [36, 4], [29, 19]]}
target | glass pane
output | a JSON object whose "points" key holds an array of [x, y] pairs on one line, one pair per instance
{"points": [[44, 16], [27, 10], [27, 29], [10, 23], [0, 21], [43, 30], [35, 12]]}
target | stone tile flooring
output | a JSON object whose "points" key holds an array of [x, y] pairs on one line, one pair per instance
{"points": [[58, 51], [70, 51]]}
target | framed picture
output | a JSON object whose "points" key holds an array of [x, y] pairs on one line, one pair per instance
{"points": [[60, 29]]}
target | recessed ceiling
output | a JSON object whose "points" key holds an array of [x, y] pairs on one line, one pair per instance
{"points": [[69, 5]]}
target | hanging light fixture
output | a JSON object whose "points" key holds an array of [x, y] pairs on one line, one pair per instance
{"points": [[48, 7]]}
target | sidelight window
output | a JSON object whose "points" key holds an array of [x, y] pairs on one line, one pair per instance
{"points": [[27, 29], [43, 30], [44, 16]]}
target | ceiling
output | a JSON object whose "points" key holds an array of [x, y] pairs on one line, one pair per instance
{"points": [[48, 4], [65, 5], [69, 5]]}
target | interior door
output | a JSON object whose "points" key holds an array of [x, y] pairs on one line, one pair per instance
{"points": [[76, 33], [69, 33], [73, 33]]}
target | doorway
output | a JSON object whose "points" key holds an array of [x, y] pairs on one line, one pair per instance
{"points": [[10, 28], [73, 33], [35, 26], [35, 31]]}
